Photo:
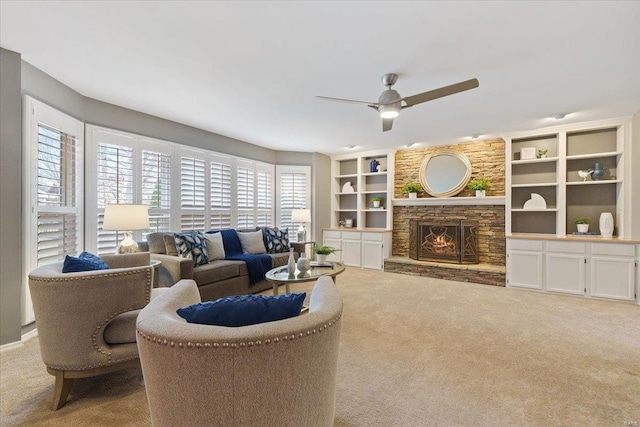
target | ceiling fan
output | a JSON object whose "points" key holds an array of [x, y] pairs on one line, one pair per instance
{"points": [[390, 102]]}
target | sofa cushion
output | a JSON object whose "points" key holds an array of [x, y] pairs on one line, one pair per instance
{"points": [[216, 271], [122, 328], [170, 245], [215, 246], [277, 240], [156, 242], [243, 310], [192, 246], [85, 262], [252, 242]]}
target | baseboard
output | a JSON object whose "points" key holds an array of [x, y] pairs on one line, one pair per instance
{"points": [[18, 344]]}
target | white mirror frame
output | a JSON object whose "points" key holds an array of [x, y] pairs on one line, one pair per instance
{"points": [[453, 190]]}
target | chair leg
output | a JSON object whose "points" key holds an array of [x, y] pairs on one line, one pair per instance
{"points": [[61, 390]]}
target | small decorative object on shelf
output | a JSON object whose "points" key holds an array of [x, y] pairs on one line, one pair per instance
{"points": [[582, 222], [535, 203], [542, 153], [527, 153], [341, 223], [412, 189], [598, 172], [376, 201], [304, 263], [347, 188], [373, 166], [606, 224], [585, 174], [348, 222], [322, 252], [480, 185]]}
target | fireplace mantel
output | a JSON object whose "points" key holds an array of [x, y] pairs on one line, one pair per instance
{"points": [[450, 201]]}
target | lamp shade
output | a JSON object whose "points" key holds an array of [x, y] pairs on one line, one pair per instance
{"points": [[125, 217], [301, 215]]}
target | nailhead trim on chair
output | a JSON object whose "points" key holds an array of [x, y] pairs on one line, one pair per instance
{"points": [[217, 345]]}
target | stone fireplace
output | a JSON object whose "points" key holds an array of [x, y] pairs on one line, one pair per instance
{"points": [[453, 242]]}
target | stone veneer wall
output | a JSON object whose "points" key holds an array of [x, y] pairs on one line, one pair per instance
{"points": [[490, 218], [486, 157]]}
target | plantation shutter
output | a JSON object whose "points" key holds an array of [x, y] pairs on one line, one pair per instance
{"points": [[156, 189], [115, 185], [264, 189], [192, 194], [293, 193], [245, 190], [220, 200]]}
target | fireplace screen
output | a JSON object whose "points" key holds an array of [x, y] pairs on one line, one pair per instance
{"points": [[444, 242]]}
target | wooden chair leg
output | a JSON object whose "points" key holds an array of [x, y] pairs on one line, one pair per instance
{"points": [[61, 390]]}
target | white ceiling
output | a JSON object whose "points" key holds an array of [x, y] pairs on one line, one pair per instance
{"points": [[251, 70]]}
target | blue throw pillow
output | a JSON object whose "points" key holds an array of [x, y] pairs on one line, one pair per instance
{"points": [[192, 245], [277, 240], [243, 310], [85, 262]]}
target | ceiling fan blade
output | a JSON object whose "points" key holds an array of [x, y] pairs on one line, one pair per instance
{"points": [[350, 101], [441, 92], [387, 124]]}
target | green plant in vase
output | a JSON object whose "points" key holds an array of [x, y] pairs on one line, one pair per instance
{"points": [[582, 223], [376, 201], [322, 252], [480, 185], [412, 189]]}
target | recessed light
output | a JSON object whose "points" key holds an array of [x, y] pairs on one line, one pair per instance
{"points": [[476, 135], [350, 147], [559, 116], [411, 144]]}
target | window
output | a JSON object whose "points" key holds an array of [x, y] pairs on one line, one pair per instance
{"points": [[156, 189], [294, 192], [264, 191], [53, 187], [220, 200], [192, 194], [246, 203]]}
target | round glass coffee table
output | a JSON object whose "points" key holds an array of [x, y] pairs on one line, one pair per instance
{"points": [[280, 275]]}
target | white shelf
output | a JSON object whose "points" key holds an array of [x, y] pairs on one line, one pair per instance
{"points": [[374, 210], [352, 175], [534, 210], [355, 193], [374, 173], [604, 181], [522, 162], [450, 201], [539, 184], [594, 155], [373, 192]]}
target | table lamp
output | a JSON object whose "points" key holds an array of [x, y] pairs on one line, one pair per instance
{"points": [[301, 216], [127, 218]]}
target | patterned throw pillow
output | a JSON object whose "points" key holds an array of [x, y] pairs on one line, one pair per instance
{"points": [[192, 246], [277, 240]]}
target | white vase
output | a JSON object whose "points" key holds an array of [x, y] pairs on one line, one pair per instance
{"points": [[321, 258], [481, 193], [291, 265], [606, 224], [303, 263], [582, 228], [413, 195], [376, 203]]}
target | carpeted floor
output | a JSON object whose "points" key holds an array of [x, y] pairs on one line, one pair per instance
{"points": [[417, 352]]}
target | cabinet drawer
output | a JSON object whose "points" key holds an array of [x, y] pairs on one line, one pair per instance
{"points": [[619, 249], [566, 247], [351, 235], [525, 245], [372, 237], [331, 234]]}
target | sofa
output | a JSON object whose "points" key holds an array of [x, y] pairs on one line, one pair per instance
{"points": [[280, 373], [217, 278]]}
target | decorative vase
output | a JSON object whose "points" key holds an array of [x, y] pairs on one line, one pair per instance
{"points": [[376, 203], [582, 228], [481, 193], [606, 224], [291, 265], [303, 263], [543, 156], [413, 195], [321, 258], [598, 171]]}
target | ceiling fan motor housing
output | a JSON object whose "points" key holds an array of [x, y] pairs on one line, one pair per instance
{"points": [[389, 104]]}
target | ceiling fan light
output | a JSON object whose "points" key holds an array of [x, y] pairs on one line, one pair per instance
{"points": [[389, 111]]}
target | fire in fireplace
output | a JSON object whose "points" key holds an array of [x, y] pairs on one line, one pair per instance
{"points": [[444, 242]]}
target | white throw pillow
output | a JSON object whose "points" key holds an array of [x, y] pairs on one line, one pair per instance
{"points": [[215, 246], [252, 242]]}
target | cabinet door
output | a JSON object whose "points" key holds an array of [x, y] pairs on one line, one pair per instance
{"points": [[335, 243], [612, 277], [351, 252], [372, 255], [524, 269], [565, 273]]}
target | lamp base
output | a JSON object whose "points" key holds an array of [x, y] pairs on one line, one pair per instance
{"points": [[128, 245], [302, 234]]}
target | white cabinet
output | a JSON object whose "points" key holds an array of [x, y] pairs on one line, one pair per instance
{"points": [[366, 249], [593, 269]]}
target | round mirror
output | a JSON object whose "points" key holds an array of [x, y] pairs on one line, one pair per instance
{"points": [[445, 174]]}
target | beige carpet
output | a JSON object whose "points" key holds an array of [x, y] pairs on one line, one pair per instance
{"points": [[417, 352]]}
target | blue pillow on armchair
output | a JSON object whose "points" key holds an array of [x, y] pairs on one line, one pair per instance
{"points": [[243, 310], [84, 262]]}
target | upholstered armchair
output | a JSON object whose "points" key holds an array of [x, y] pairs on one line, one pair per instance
{"points": [[274, 373], [86, 321]]}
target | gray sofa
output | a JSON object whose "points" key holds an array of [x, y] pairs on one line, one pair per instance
{"points": [[216, 279]]}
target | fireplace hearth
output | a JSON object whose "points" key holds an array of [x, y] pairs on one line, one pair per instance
{"points": [[452, 242]]}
